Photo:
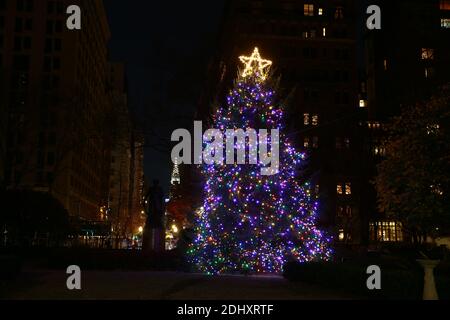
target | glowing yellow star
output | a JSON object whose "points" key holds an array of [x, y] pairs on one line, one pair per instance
{"points": [[255, 65]]}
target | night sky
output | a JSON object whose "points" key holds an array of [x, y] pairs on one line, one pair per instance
{"points": [[165, 46]]}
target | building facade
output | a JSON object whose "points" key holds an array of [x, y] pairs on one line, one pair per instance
{"points": [[55, 92], [406, 61], [126, 185]]}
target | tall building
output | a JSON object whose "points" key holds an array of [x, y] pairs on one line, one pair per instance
{"points": [[137, 192], [3, 105], [126, 185], [313, 46], [407, 60], [56, 96], [120, 175]]}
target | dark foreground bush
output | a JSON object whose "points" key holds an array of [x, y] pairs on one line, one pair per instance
{"points": [[10, 267], [98, 259], [352, 278]]}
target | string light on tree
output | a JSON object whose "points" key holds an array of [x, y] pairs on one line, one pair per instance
{"points": [[250, 222]]}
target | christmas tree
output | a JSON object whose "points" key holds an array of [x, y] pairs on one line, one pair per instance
{"points": [[252, 222]]}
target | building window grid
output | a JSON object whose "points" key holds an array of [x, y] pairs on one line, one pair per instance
{"points": [[344, 189], [386, 231]]}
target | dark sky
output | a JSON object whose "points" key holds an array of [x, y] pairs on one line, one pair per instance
{"points": [[165, 46]]}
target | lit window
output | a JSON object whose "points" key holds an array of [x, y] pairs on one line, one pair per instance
{"points": [[437, 190], [339, 189], [339, 13], [445, 23], [373, 125], [306, 119], [341, 235], [445, 5], [433, 129], [385, 64], [386, 231], [427, 54], [320, 12], [362, 103], [348, 188], [324, 32], [306, 142], [379, 151], [308, 10], [315, 120]]}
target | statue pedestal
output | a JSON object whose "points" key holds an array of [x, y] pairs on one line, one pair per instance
{"points": [[429, 286], [153, 240]]}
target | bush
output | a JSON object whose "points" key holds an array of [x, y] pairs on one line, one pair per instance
{"points": [[99, 259], [351, 278], [10, 267]]}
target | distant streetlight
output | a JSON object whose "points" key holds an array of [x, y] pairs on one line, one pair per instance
{"points": [[141, 229]]}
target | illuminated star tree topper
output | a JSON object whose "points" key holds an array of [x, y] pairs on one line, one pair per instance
{"points": [[255, 65]]}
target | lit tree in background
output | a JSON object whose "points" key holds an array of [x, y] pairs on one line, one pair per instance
{"points": [[252, 222]]}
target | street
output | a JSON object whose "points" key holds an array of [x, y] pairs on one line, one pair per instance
{"points": [[44, 285]]}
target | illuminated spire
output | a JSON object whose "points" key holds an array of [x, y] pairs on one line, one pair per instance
{"points": [[175, 174]]}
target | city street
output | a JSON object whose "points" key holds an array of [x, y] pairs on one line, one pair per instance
{"points": [[158, 285]]}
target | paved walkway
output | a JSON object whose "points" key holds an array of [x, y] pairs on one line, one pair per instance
{"points": [[162, 285]]}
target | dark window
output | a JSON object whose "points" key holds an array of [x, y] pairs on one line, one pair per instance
{"points": [[56, 63], [58, 45], [50, 159], [51, 7], [28, 24], [58, 26], [50, 177], [47, 64], [48, 45], [51, 138], [20, 5], [21, 63], [2, 4], [27, 43], [59, 7], [49, 28], [19, 25], [345, 98], [17, 43], [40, 177], [41, 140], [25, 5]]}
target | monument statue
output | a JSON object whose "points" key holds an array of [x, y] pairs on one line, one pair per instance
{"points": [[154, 232]]}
